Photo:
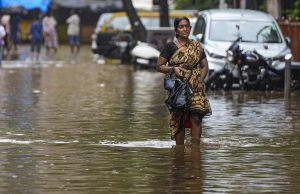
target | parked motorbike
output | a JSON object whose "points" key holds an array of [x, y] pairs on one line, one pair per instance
{"points": [[223, 78], [247, 70]]}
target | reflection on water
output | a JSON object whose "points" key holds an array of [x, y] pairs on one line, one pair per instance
{"points": [[187, 173], [88, 128]]}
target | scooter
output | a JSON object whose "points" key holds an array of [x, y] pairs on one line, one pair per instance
{"points": [[144, 55]]}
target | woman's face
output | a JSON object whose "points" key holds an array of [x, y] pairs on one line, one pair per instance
{"points": [[183, 29]]}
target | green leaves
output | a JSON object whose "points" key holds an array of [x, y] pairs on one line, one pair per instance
{"points": [[196, 4]]}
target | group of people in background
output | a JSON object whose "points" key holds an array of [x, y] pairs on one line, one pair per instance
{"points": [[9, 27], [42, 31]]}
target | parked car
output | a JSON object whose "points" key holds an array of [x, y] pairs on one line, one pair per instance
{"points": [[113, 34], [216, 29]]}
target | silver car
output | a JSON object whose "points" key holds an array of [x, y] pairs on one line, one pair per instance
{"points": [[216, 29]]}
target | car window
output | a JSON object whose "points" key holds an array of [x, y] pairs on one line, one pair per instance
{"points": [[119, 23], [200, 26], [150, 21], [102, 20], [268, 34], [250, 31]]}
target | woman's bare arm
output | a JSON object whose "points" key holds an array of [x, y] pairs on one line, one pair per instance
{"points": [[161, 66], [204, 66]]}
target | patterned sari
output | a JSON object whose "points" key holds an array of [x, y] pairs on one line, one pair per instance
{"points": [[188, 57]]}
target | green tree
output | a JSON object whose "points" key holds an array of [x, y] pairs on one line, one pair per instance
{"points": [[196, 4], [293, 10], [209, 4]]}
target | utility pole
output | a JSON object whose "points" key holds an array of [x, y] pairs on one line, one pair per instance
{"points": [[243, 4], [287, 76]]}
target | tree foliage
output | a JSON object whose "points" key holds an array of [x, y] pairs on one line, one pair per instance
{"points": [[289, 8], [292, 10], [209, 4], [196, 4]]}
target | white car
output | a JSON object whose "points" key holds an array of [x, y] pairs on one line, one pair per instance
{"points": [[216, 29]]}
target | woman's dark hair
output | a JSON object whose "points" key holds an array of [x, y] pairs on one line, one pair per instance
{"points": [[178, 20]]}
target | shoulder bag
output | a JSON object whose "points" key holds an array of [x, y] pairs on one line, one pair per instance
{"points": [[180, 93]]}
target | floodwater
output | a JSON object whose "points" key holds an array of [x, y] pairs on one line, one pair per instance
{"points": [[85, 128]]}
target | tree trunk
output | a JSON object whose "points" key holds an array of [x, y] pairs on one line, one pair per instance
{"points": [[164, 13], [139, 30], [236, 4]]}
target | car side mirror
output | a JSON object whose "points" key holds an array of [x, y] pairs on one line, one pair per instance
{"points": [[199, 37], [288, 41]]}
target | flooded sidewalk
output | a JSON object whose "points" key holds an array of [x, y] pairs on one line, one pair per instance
{"points": [[86, 128], [22, 57]]}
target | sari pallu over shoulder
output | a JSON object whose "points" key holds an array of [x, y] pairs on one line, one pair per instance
{"points": [[187, 56]]}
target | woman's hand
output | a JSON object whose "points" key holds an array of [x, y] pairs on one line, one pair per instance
{"points": [[179, 71], [200, 86]]}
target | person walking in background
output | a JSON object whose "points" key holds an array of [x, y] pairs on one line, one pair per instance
{"points": [[73, 31], [15, 29], [36, 35], [50, 33], [2, 36], [5, 21], [187, 60]]}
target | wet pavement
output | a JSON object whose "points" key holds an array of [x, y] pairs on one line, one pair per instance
{"points": [[74, 126]]}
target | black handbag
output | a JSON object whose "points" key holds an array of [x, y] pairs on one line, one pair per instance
{"points": [[180, 94]]}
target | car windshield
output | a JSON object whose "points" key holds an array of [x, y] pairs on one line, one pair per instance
{"points": [[250, 31], [122, 22]]}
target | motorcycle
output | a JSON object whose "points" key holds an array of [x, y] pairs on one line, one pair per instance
{"points": [[247, 70], [223, 78]]}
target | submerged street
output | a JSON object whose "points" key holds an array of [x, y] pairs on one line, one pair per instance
{"points": [[80, 127]]}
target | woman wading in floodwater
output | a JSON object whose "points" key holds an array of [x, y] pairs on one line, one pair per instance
{"points": [[187, 60]]}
